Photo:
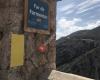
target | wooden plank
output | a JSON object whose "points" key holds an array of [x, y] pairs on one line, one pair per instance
{"points": [[57, 75]]}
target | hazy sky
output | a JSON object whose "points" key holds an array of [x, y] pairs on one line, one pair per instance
{"points": [[74, 15]]}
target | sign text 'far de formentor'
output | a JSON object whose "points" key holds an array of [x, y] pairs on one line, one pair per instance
{"points": [[36, 16]]}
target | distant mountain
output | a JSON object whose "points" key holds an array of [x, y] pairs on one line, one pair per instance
{"points": [[78, 33], [75, 46], [87, 65], [87, 34], [68, 49]]}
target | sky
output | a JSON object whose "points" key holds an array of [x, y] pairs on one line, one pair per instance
{"points": [[75, 15]]}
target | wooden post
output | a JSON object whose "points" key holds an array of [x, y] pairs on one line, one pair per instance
{"points": [[12, 21]]}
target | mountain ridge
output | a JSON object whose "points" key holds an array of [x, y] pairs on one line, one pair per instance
{"points": [[75, 46]]}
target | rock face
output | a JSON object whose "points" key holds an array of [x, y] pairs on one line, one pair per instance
{"points": [[79, 53]]}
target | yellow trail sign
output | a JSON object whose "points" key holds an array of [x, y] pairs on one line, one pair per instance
{"points": [[17, 50]]}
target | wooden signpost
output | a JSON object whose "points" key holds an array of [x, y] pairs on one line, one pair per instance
{"points": [[28, 54], [36, 15]]}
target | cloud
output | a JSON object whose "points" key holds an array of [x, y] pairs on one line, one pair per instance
{"points": [[82, 10], [66, 27], [69, 12], [59, 35], [92, 25], [87, 5], [66, 7], [63, 23]]}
